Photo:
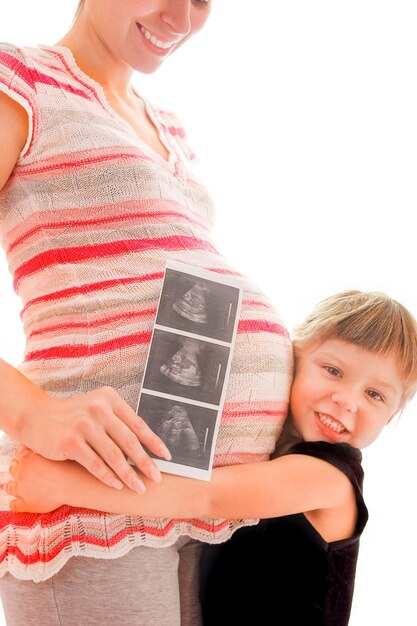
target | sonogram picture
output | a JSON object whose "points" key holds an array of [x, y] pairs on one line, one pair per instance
{"points": [[188, 364]]}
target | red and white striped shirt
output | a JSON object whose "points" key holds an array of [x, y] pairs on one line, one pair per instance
{"points": [[88, 219]]}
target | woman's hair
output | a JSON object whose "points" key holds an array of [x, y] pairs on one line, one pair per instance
{"points": [[80, 6], [371, 320]]}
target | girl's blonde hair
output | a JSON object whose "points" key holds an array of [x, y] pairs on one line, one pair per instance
{"points": [[371, 320]]}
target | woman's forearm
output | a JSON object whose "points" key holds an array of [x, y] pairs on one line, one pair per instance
{"points": [[18, 395]]}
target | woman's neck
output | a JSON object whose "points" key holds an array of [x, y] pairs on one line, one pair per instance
{"points": [[95, 59]]}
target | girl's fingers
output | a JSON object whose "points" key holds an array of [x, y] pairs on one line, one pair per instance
{"points": [[20, 451], [15, 505], [13, 467], [11, 489]]}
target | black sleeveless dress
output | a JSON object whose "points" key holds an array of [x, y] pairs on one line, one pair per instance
{"points": [[282, 571]]}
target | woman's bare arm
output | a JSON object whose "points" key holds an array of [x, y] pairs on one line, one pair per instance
{"points": [[289, 484]]}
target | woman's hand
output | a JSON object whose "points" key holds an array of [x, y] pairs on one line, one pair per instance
{"points": [[38, 485], [96, 429]]}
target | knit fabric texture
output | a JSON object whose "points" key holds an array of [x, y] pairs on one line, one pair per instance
{"points": [[88, 219]]}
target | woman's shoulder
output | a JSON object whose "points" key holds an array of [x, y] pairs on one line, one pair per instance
{"points": [[21, 55], [6, 46], [32, 59], [18, 105], [19, 66]]}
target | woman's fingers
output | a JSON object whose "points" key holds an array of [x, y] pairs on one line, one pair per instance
{"points": [[131, 433], [136, 424], [134, 450], [110, 458], [88, 458], [99, 430], [148, 438]]}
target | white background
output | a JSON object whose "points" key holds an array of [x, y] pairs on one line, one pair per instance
{"points": [[304, 116]]}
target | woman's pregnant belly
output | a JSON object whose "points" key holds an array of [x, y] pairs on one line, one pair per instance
{"points": [[94, 330]]}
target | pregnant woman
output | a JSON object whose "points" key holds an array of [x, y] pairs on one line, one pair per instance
{"points": [[96, 194]]}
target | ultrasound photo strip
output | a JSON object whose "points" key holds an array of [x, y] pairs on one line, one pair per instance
{"points": [[187, 368]]}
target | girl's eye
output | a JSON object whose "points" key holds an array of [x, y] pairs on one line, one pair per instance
{"points": [[332, 370], [202, 2], [375, 395]]}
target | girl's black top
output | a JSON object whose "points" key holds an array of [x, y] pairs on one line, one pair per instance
{"points": [[282, 571]]}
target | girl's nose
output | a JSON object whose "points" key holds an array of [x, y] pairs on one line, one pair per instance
{"points": [[345, 400], [177, 15]]}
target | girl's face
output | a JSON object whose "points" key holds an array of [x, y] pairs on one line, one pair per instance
{"points": [[344, 393], [142, 33]]}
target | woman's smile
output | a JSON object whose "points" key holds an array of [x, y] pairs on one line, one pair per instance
{"points": [[156, 45]]}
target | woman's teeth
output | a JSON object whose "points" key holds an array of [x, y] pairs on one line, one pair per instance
{"points": [[331, 423], [164, 45]]}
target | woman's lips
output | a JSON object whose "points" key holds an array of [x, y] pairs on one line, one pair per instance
{"points": [[156, 45]]}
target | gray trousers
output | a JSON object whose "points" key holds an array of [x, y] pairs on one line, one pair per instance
{"points": [[146, 587]]}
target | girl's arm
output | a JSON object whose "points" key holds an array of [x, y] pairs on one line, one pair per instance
{"points": [[289, 484]]}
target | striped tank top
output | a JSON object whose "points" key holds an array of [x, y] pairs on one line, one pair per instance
{"points": [[88, 219]]}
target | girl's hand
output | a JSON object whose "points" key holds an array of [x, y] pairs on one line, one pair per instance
{"points": [[96, 429], [38, 485]]}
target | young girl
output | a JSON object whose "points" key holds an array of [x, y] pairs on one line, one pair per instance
{"points": [[356, 367]]}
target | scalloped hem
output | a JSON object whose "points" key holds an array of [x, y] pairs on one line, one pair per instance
{"points": [[39, 571]]}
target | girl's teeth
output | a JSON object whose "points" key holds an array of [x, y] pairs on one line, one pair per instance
{"points": [[154, 41], [327, 421]]}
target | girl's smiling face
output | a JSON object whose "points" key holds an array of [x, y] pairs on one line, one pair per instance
{"points": [[143, 33], [344, 393]]}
